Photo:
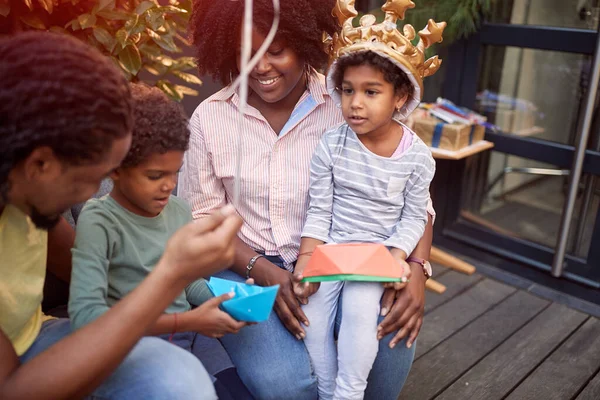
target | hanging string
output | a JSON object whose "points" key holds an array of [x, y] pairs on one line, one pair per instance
{"points": [[246, 67]]}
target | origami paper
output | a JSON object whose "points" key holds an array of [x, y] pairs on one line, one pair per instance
{"points": [[369, 262], [251, 303]]}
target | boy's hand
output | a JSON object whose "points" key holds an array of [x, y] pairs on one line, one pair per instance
{"points": [[202, 248], [405, 277], [303, 290], [209, 320]]}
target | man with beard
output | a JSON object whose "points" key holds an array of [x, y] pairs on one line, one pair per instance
{"points": [[65, 124]]}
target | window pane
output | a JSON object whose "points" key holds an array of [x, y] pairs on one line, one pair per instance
{"points": [[581, 14], [533, 93]]}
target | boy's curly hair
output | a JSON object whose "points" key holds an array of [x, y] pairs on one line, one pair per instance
{"points": [[215, 29], [159, 125], [57, 91], [391, 73]]}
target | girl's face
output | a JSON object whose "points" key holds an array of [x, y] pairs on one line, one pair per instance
{"points": [[277, 73], [368, 100]]}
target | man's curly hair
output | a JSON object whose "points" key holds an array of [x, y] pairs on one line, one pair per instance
{"points": [[159, 125], [58, 92], [391, 73], [215, 29]]}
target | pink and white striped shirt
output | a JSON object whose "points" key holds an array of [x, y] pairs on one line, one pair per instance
{"points": [[275, 172]]}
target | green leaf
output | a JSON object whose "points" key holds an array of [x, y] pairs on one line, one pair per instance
{"points": [[150, 49], [86, 20], [166, 42], [74, 25], [189, 78], [47, 5], [105, 38], [169, 90], [4, 9], [104, 4], [131, 59], [33, 20], [120, 65], [184, 63], [184, 90], [122, 37], [155, 69], [114, 15], [144, 6], [173, 10], [155, 19]]}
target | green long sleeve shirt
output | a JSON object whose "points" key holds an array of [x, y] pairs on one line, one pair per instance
{"points": [[115, 250]]}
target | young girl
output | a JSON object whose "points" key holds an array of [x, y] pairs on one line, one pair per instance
{"points": [[120, 238], [369, 183]]}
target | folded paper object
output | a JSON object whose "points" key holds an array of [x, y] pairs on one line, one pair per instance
{"points": [[369, 262], [251, 303]]}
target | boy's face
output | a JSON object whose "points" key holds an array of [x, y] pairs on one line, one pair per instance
{"points": [[145, 188], [368, 100]]}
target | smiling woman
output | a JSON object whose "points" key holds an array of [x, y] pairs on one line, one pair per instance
{"points": [[289, 110]]}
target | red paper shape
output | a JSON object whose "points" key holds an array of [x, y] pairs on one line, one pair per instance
{"points": [[352, 261]]}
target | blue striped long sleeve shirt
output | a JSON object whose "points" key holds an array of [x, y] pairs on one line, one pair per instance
{"points": [[358, 196]]}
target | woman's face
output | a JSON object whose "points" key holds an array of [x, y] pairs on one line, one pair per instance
{"points": [[277, 73]]}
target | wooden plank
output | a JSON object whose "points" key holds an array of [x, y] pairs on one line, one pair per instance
{"points": [[458, 312], [442, 365], [592, 390], [501, 370], [465, 152], [567, 370], [455, 283], [438, 270]]}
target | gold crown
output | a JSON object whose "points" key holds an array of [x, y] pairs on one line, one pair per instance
{"points": [[398, 46]]}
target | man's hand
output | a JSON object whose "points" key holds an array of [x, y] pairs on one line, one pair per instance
{"points": [[202, 248], [403, 310]]}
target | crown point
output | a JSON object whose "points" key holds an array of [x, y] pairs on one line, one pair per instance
{"points": [[344, 10], [367, 20], [432, 33], [397, 8]]}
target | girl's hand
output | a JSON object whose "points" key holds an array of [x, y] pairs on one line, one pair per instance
{"points": [[303, 290], [209, 320], [405, 277]]}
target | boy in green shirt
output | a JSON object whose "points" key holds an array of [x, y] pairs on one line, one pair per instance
{"points": [[120, 238]]}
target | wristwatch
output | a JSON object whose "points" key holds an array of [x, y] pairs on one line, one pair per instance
{"points": [[424, 263]]}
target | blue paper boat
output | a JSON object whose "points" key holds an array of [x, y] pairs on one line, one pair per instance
{"points": [[251, 303]]}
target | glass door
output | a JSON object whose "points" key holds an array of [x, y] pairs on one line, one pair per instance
{"points": [[529, 70]]}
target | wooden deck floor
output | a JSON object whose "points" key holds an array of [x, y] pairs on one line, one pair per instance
{"points": [[483, 339]]}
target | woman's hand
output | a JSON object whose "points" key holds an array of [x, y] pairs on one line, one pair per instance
{"points": [[209, 320], [287, 307], [404, 309]]}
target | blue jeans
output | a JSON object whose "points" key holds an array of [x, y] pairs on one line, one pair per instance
{"points": [[275, 365], [153, 370]]}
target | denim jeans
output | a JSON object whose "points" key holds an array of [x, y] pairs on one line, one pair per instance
{"points": [[275, 365], [153, 370]]}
